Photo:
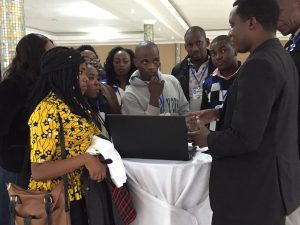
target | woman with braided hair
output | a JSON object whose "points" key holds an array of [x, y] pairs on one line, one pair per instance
{"points": [[59, 93]]}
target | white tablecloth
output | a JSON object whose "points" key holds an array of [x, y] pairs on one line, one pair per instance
{"points": [[294, 218], [170, 192], [174, 192]]}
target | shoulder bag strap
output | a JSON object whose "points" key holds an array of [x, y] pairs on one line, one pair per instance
{"points": [[64, 156]]}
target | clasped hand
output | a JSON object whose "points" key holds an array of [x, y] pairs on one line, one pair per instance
{"points": [[196, 121], [97, 170], [156, 86]]}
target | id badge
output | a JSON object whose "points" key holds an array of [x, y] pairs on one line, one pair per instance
{"points": [[197, 93], [165, 114]]}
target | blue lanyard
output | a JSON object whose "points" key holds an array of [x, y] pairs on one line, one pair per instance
{"points": [[162, 102], [202, 73], [293, 45]]}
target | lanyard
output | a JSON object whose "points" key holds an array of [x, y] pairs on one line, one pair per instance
{"points": [[162, 102], [293, 45], [201, 75]]}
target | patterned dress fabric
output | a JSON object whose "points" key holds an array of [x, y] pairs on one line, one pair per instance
{"points": [[44, 139]]}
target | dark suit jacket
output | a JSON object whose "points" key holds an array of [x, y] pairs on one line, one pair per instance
{"points": [[256, 163], [295, 53], [296, 57], [182, 72]]}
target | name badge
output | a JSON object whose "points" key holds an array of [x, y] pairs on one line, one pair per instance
{"points": [[197, 93]]}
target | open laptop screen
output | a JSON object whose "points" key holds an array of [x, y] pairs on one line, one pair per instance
{"points": [[149, 137]]}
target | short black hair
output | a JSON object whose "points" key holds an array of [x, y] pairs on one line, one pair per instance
{"points": [[222, 38], [266, 12], [82, 48], [194, 29], [145, 44]]}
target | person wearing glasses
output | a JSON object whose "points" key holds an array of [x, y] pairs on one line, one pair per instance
{"points": [[91, 57]]}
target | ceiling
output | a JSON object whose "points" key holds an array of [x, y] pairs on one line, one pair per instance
{"points": [[74, 22]]}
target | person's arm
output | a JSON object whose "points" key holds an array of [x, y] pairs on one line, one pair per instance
{"points": [[183, 104], [131, 106], [44, 127], [258, 88], [205, 116], [53, 169], [156, 88]]}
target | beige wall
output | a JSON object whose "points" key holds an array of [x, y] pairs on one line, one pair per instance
{"points": [[167, 54]]}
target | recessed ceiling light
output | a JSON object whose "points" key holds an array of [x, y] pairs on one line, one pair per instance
{"points": [[85, 9], [172, 37], [159, 29], [132, 11]]}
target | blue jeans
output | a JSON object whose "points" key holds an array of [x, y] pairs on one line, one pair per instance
{"points": [[5, 177]]}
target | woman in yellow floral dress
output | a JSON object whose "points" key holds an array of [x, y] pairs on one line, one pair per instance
{"points": [[59, 93]]}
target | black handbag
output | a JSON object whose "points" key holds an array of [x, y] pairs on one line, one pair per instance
{"points": [[105, 203]]}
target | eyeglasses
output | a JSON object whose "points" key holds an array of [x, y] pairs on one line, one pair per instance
{"points": [[93, 61]]}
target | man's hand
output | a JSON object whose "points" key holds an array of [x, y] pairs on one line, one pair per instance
{"points": [[199, 137], [204, 116], [156, 88]]}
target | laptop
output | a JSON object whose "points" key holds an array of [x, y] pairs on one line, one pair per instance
{"points": [[149, 137]]}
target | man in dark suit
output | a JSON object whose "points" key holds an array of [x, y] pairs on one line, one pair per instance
{"points": [[255, 173]]}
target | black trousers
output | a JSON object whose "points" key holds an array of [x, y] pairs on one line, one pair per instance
{"points": [[216, 220], [78, 213], [275, 216]]}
